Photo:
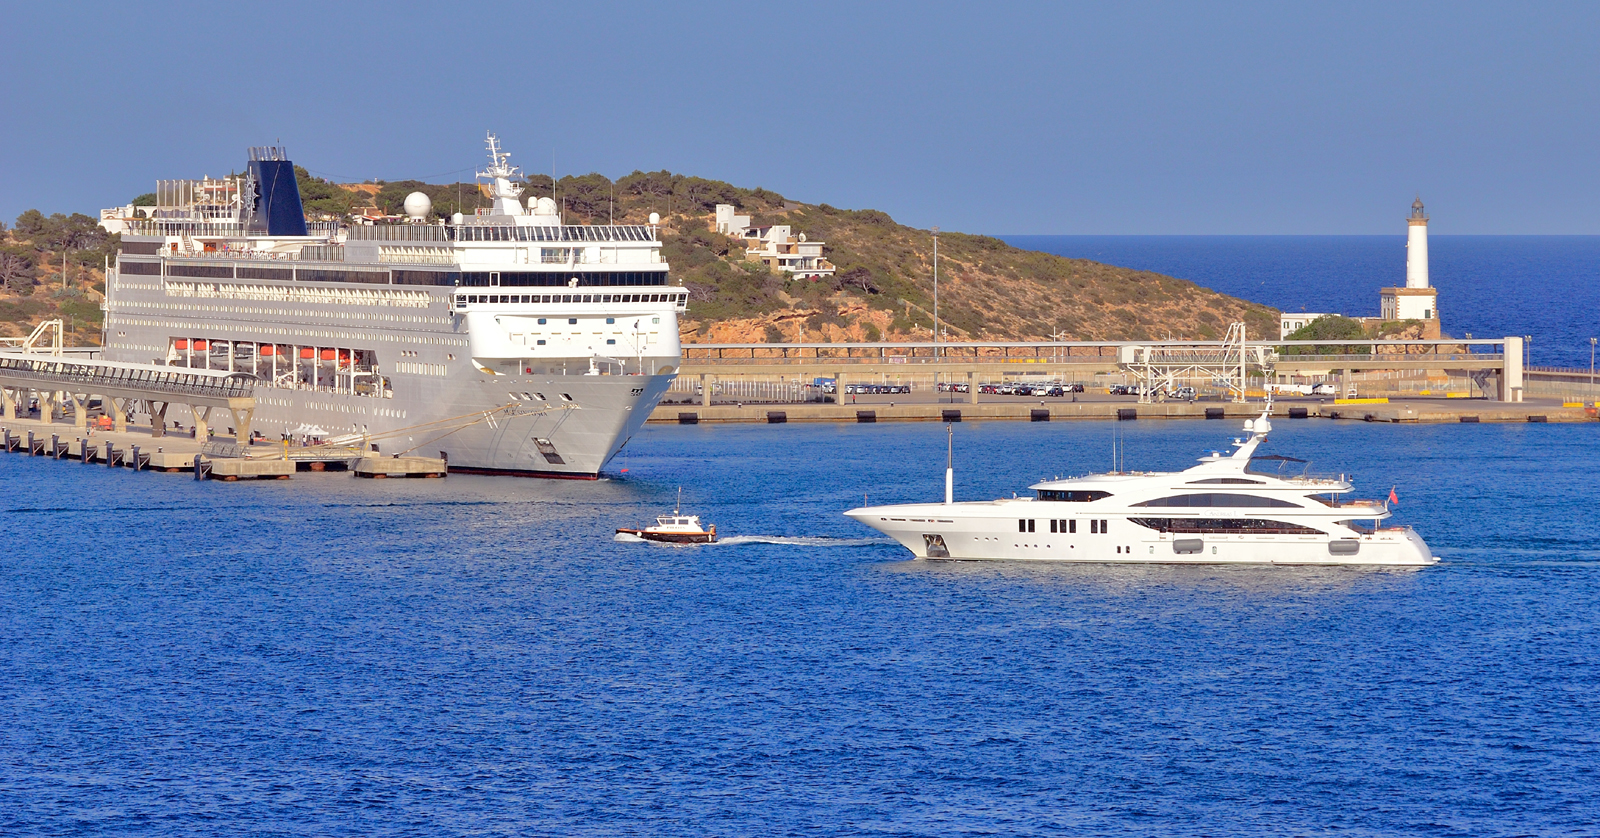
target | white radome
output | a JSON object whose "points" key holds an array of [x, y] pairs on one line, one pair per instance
{"points": [[417, 205], [655, 218]]}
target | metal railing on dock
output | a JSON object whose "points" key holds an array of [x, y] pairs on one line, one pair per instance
{"points": [[92, 374]]}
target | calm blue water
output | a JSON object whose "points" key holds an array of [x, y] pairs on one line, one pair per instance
{"points": [[1489, 286], [478, 656]]}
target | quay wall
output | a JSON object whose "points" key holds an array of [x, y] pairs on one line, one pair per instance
{"points": [[1377, 410]]}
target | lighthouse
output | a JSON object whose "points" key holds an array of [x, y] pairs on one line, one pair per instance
{"points": [[1417, 247], [1418, 300]]}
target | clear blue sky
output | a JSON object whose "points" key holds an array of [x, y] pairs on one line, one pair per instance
{"points": [[1002, 118]]}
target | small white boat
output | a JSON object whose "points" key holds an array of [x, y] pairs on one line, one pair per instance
{"points": [[676, 528]]}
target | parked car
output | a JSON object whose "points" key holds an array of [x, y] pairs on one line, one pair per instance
{"points": [[1186, 393]]}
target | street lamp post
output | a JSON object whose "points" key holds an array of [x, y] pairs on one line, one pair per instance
{"points": [[936, 293]]}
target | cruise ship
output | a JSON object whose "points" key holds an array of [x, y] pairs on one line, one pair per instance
{"points": [[507, 342], [1228, 509]]}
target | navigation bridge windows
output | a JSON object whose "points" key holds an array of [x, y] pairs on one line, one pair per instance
{"points": [[677, 298], [328, 369], [562, 279]]}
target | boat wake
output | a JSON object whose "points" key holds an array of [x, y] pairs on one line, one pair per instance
{"points": [[628, 538], [803, 540]]}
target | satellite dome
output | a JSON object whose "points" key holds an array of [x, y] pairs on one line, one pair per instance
{"points": [[417, 205], [547, 206], [457, 218], [655, 218]]}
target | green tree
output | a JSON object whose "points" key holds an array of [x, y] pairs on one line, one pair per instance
{"points": [[1329, 327], [16, 269], [318, 196], [148, 199], [648, 184], [31, 223], [586, 196]]}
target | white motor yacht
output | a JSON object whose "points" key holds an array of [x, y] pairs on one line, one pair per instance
{"points": [[1227, 509]]}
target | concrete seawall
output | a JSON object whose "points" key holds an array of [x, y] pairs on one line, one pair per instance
{"points": [[1405, 411]]}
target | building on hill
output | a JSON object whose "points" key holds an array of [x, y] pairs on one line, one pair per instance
{"points": [[729, 224], [776, 245], [1291, 322]]}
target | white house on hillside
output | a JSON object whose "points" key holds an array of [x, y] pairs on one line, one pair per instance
{"points": [[775, 244]]}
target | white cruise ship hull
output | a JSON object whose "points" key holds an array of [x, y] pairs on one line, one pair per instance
{"points": [[988, 531], [508, 342]]}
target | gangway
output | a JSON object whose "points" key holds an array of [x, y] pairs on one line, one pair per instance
{"points": [[58, 381]]}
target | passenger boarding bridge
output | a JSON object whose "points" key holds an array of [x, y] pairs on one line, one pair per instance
{"points": [[42, 372]]}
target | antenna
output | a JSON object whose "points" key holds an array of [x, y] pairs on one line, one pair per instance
{"points": [[677, 510]]}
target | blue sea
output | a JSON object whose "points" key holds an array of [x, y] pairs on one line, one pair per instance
{"points": [[1489, 286], [479, 656]]}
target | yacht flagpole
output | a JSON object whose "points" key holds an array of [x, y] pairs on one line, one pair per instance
{"points": [[949, 464]]}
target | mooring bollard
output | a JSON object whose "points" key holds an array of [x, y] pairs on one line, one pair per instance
{"points": [[30, 443], [85, 450], [197, 474], [135, 458], [109, 460]]}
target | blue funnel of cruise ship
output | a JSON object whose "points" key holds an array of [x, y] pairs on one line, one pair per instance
{"points": [[277, 210]]}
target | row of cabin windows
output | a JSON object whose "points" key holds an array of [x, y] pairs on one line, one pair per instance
{"points": [[1217, 499], [398, 277], [1073, 496], [1064, 525], [1235, 526]]}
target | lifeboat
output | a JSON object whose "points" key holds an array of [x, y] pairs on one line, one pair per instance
{"points": [[307, 353], [181, 343], [267, 350]]}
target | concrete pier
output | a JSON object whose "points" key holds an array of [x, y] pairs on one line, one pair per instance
{"points": [[382, 467], [1024, 410], [227, 461]]}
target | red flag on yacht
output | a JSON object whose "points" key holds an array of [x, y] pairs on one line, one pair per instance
{"points": [[1394, 500]]}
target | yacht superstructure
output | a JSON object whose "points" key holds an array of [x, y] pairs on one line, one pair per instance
{"points": [[508, 342], [1220, 511]]}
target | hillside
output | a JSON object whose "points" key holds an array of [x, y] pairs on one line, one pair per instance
{"points": [[32, 287], [882, 290]]}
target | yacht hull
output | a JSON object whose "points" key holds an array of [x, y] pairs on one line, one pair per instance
{"points": [[964, 532]]}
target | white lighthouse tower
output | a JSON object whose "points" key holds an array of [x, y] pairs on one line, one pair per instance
{"points": [[1417, 247], [1417, 300]]}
